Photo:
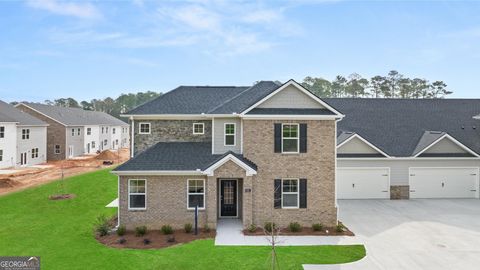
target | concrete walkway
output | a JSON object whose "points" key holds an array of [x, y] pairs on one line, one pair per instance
{"points": [[229, 233]]}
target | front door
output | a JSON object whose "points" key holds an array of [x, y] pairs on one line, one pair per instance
{"points": [[70, 151], [228, 198], [23, 158]]}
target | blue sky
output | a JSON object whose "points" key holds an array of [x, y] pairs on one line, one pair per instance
{"points": [[51, 49]]}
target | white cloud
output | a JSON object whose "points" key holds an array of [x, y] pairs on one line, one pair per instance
{"points": [[263, 16], [80, 10]]}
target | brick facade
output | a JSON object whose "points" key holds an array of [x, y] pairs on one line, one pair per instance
{"points": [[400, 192], [169, 131]]}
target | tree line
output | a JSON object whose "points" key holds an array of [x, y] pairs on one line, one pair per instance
{"points": [[114, 107], [393, 85]]}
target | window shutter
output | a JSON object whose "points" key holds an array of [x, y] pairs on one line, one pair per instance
{"points": [[303, 138], [303, 193], [278, 138], [277, 194]]}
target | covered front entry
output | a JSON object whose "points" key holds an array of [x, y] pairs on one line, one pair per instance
{"points": [[228, 198]]}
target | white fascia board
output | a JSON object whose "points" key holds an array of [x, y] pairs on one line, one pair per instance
{"points": [[145, 173], [301, 88], [447, 136], [210, 170], [289, 117], [177, 116], [409, 158], [365, 141]]}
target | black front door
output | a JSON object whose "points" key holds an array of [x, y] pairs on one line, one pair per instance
{"points": [[228, 198]]}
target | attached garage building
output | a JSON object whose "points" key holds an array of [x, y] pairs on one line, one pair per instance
{"points": [[400, 149]]}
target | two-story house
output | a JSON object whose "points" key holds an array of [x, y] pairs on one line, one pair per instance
{"points": [[23, 138], [73, 132], [260, 153]]}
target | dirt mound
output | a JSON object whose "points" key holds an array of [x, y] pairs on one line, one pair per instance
{"points": [[107, 155], [7, 183]]}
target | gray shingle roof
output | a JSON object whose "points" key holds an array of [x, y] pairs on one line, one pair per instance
{"points": [[76, 116], [288, 111], [427, 139], [397, 126], [9, 113], [343, 136], [207, 99], [177, 156]]}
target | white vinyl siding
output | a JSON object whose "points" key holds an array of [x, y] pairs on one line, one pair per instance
{"points": [[356, 146], [218, 135], [291, 97]]}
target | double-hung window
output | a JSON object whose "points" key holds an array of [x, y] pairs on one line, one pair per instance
{"points": [[89, 131], [25, 134], [2, 132], [229, 134], [93, 144], [196, 194], [1, 155], [290, 138], [57, 148], [198, 128], [113, 130], [137, 194], [290, 194], [78, 132], [73, 132], [144, 128], [105, 142], [34, 152]]}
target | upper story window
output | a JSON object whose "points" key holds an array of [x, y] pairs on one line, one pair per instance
{"points": [[103, 130], [113, 130], [73, 132], [290, 194], [196, 194], [2, 132], [137, 194], [93, 144], [198, 128], [78, 132], [1, 155], [290, 138], [106, 130], [25, 134], [144, 128], [89, 131], [230, 134], [57, 148]]}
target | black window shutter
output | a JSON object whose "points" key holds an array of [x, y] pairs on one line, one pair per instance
{"points": [[303, 193], [277, 194], [278, 138], [303, 138]]}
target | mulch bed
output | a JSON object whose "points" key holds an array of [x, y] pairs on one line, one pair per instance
{"points": [[156, 238], [306, 231], [62, 197]]}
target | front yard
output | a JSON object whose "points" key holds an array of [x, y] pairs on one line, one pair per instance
{"points": [[61, 233]]}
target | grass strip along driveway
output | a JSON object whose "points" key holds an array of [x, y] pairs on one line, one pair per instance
{"points": [[61, 232]]}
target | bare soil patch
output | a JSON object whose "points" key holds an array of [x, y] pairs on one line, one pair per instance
{"points": [[61, 197], [52, 170], [304, 231], [155, 239]]}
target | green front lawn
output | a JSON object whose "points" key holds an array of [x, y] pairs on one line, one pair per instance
{"points": [[61, 233]]}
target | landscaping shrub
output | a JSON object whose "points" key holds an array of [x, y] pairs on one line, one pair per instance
{"points": [[339, 228], [121, 230], [101, 225], [122, 241], [146, 241], [140, 231], [166, 229], [206, 228], [270, 226], [317, 227], [171, 239], [252, 228], [294, 227], [188, 228]]}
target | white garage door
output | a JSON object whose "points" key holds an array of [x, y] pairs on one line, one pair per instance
{"points": [[443, 182], [358, 183]]}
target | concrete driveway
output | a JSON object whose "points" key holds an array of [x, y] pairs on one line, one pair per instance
{"points": [[414, 234]]}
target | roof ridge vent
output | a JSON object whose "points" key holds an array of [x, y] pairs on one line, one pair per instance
{"points": [[435, 132]]}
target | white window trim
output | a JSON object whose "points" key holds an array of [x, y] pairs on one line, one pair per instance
{"points": [[234, 134], [1, 154], [298, 138], [203, 129], [297, 193], [188, 194], [55, 149], [128, 194], [140, 127], [2, 132], [26, 135], [78, 131]]}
